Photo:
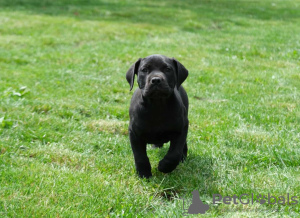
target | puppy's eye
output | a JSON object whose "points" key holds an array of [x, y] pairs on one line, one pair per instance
{"points": [[144, 70], [168, 69]]}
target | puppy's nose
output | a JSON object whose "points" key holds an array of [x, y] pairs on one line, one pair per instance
{"points": [[155, 80]]}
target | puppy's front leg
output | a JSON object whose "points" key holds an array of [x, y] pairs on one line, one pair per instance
{"points": [[141, 159], [176, 153]]}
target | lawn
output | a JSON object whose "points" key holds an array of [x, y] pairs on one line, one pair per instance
{"points": [[64, 146]]}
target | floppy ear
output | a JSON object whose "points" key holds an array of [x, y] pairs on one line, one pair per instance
{"points": [[131, 73], [181, 71]]}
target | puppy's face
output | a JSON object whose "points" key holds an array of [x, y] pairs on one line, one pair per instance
{"points": [[158, 75]]}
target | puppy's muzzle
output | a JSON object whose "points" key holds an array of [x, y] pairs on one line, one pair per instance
{"points": [[157, 86], [156, 80]]}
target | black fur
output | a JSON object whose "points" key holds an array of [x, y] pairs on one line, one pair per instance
{"points": [[158, 111]]}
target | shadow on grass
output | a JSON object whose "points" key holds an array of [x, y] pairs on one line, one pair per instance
{"points": [[186, 14], [195, 173]]}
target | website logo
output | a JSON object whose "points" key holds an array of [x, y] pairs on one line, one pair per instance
{"points": [[198, 206]]}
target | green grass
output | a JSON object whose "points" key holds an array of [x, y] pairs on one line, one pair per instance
{"points": [[64, 147]]}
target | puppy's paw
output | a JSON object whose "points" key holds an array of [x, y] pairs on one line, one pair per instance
{"points": [[166, 166], [145, 174], [143, 169]]}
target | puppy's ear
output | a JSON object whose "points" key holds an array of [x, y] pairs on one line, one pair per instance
{"points": [[181, 71], [131, 73]]}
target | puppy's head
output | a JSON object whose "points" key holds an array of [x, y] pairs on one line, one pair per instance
{"points": [[157, 75]]}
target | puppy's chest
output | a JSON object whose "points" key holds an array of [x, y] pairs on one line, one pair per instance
{"points": [[155, 137], [160, 125], [164, 120], [159, 131]]}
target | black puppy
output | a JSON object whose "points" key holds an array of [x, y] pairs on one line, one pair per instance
{"points": [[158, 111]]}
